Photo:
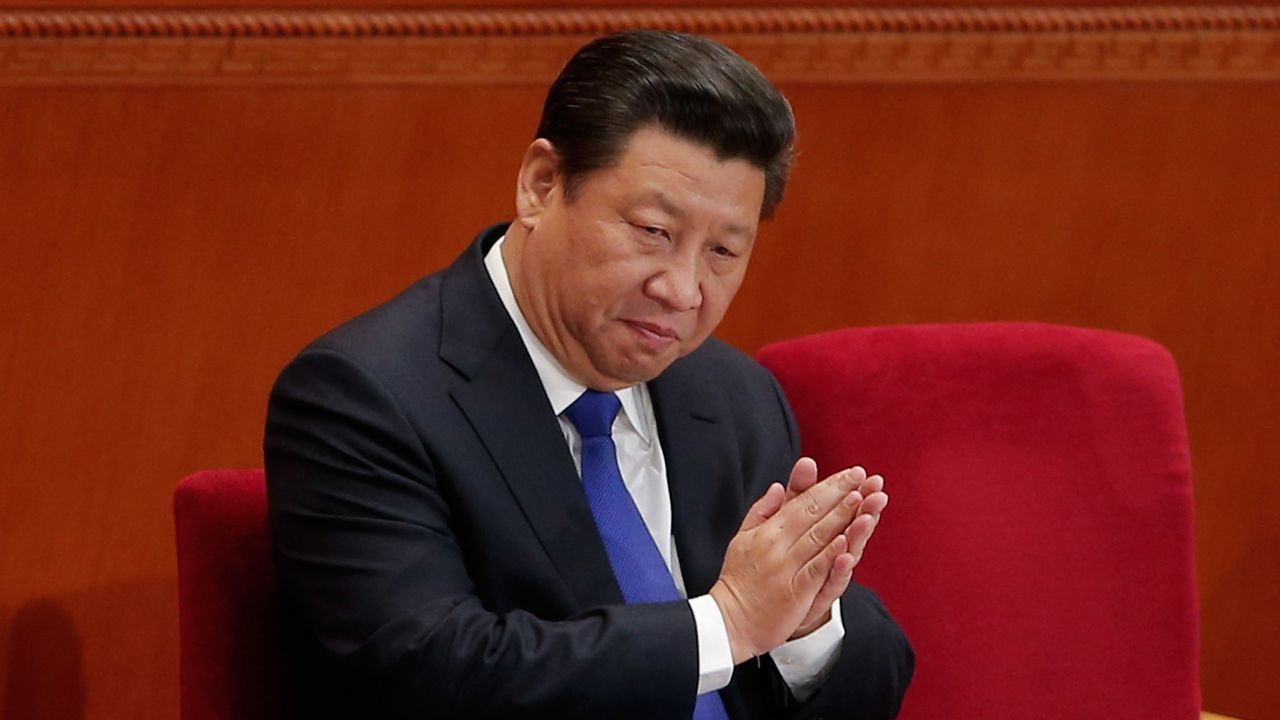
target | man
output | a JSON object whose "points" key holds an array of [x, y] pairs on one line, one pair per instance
{"points": [[530, 486]]}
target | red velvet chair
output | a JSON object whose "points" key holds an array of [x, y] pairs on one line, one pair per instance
{"points": [[1037, 548], [230, 650]]}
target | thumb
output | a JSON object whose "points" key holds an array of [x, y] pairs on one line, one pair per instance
{"points": [[764, 508], [804, 475]]}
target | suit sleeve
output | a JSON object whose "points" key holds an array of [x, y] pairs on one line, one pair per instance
{"points": [[875, 666], [366, 556]]}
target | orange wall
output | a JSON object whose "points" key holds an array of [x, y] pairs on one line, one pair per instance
{"points": [[164, 250]]}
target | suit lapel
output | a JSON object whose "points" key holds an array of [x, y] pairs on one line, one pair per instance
{"points": [[702, 471], [506, 406]]}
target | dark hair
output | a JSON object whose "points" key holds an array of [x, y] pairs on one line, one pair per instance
{"points": [[688, 85]]}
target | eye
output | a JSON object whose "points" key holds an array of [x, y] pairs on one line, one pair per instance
{"points": [[655, 232], [724, 252]]}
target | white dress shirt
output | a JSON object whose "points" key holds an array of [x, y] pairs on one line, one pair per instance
{"points": [[803, 663]]}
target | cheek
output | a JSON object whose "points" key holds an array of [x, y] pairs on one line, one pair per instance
{"points": [[598, 297], [605, 262], [709, 317], [720, 291], [716, 298], [623, 283]]}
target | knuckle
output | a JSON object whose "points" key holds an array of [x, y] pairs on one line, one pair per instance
{"points": [[793, 585], [774, 557], [812, 508]]}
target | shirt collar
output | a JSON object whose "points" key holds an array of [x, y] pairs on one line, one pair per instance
{"points": [[561, 389]]}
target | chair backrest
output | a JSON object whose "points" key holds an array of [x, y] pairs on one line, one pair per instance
{"points": [[230, 641], [1038, 546]]}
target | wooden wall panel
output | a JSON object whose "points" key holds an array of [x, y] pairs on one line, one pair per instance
{"points": [[165, 248], [164, 253]]}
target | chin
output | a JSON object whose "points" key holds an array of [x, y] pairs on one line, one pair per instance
{"points": [[635, 376], [634, 373]]}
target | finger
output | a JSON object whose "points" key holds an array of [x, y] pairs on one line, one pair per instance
{"points": [[859, 534], [874, 504], [827, 528], [871, 485], [837, 582], [804, 475], [764, 508], [798, 516], [812, 576]]}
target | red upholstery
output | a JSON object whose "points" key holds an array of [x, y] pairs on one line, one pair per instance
{"points": [[230, 659], [1037, 548]]}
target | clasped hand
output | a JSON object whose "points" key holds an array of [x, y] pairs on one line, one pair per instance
{"points": [[794, 555]]}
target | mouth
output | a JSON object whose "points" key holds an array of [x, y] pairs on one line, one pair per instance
{"points": [[654, 335]]}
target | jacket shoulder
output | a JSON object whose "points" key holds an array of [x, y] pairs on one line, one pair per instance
{"points": [[755, 400], [404, 326], [730, 366]]}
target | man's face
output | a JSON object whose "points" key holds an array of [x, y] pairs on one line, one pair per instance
{"points": [[640, 266]]}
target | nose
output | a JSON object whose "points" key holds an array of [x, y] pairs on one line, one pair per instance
{"points": [[678, 284]]}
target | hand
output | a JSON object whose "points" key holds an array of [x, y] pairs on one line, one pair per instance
{"points": [[803, 476], [781, 559]]}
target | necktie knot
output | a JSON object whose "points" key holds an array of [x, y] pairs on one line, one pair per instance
{"points": [[593, 413]]}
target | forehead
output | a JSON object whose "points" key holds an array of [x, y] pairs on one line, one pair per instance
{"points": [[682, 177]]}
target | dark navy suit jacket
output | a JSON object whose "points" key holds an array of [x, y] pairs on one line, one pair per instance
{"points": [[436, 554]]}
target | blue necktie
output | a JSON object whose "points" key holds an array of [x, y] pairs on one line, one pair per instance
{"points": [[637, 564]]}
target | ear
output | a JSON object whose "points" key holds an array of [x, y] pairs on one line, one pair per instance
{"points": [[538, 182]]}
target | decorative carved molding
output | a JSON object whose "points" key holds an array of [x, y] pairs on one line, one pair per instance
{"points": [[713, 21], [519, 46]]}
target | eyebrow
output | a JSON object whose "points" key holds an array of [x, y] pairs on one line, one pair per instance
{"points": [[657, 197]]}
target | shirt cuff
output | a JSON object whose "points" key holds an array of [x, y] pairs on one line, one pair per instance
{"points": [[805, 662], [715, 657]]}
